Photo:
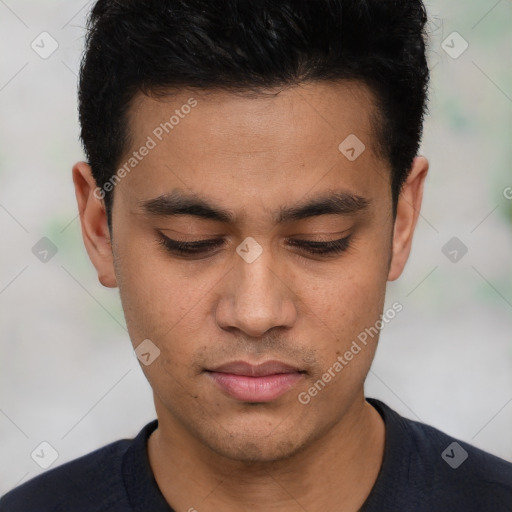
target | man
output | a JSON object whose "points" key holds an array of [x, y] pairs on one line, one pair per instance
{"points": [[252, 184]]}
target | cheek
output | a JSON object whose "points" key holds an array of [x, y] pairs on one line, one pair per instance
{"points": [[357, 280], [155, 297], [345, 302], [343, 313], [159, 305], [347, 306]]}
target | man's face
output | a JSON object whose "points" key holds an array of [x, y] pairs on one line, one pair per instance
{"points": [[254, 160]]}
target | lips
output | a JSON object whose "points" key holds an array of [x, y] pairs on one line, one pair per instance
{"points": [[260, 370], [255, 383]]}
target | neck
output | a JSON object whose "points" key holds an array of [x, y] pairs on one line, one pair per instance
{"points": [[336, 471]]}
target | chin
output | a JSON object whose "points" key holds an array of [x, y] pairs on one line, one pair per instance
{"points": [[257, 450], [248, 443]]}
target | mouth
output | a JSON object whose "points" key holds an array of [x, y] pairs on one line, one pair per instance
{"points": [[255, 383]]}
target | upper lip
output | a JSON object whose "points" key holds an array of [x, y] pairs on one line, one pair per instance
{"points": [[259, 370]]}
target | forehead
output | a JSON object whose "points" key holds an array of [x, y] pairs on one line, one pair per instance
{"points": [[314, 109], [246, 148]]}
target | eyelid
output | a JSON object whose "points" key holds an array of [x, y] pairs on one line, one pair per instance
{"points": [[201, 247], [297, 237]]}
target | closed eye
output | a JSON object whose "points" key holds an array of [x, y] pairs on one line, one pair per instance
{"points": [[315, 247], [201, 247]]}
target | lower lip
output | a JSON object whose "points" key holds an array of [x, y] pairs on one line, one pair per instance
{"points": [[255, 389]]}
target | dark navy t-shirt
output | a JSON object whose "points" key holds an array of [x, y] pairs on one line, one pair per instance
{"points": [[424, 470]]}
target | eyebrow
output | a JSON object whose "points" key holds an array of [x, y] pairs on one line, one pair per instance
{"points": [[177, 203]]}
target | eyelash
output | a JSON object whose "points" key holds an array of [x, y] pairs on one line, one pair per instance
{"points": [[202, 246]]}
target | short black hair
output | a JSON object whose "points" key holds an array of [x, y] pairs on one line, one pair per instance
{"points": [[151, 46]]}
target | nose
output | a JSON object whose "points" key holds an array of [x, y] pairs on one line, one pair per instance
{"points": [[256, 297]]}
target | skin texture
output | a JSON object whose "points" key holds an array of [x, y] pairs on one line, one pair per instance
{"points": [[252, 156]]}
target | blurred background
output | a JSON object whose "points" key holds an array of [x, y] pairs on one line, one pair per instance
{"points": [[68, 374]]}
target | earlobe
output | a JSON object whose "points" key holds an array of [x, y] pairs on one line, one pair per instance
{"points": [[408, 210], [93, 220]]}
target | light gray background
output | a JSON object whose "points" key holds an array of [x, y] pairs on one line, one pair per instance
{"points": [[68, 375]]}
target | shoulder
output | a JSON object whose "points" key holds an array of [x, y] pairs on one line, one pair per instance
{"points": [[464, 472], [437, 446], [445, 471], [89, 483]]}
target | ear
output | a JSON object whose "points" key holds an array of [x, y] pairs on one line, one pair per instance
{"points": [[93, 219], [408, 210]]}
